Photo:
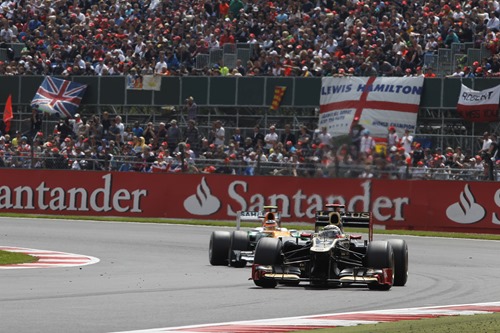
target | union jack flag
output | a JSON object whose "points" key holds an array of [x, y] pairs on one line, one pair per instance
{"points": [[59, 96]]}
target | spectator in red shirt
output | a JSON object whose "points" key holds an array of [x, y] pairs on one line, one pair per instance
{"points": [[223, 8], [226, 38], [429, 73]]}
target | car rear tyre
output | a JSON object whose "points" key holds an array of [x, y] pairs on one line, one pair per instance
{"points": [[379, 255], [267, 252], [219, 247], [239, 242], [400, 249]]}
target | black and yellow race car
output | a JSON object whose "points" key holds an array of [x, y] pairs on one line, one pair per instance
{"points": [[331, 258]]}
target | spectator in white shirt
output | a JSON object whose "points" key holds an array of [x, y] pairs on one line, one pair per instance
{"points": [[101, 67], [76, 123], [6, 34], [120, 126], [80, 62], [161, 63], [367, 144], [406, 141], [493, 23], [392, 138], [271, 138], [485, 142], [324, 137], [220, 134], [79, 15]]}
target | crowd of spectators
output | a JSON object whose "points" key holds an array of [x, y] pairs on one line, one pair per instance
{"points": [[307, 38], [288, 38], [106, 143]]}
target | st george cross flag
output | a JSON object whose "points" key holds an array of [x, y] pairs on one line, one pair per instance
{"points": [[59, 96], [479, 106], [377, 103]]}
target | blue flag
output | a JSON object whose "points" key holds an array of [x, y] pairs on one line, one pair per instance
{"points": [[59, 96]]}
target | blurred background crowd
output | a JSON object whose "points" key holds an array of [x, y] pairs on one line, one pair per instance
{"points": [[287, 38], [106, 143], [306, 38]]}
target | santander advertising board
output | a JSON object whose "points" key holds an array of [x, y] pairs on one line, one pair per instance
{"points": [[394, 204]]}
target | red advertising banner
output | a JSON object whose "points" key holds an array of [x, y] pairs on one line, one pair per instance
{"points": [[420, 205]]}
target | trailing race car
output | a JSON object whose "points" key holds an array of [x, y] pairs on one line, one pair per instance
{"points": [[332, 258], [237, 247]]}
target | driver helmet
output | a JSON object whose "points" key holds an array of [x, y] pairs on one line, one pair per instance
{"points": [[331, 231], [270, 225]]}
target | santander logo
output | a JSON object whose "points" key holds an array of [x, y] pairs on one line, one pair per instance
{"points": [[203, 202], [466, 211]]}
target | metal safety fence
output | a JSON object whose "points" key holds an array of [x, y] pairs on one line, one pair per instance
{"points": [[310, 168], [227, 56]]}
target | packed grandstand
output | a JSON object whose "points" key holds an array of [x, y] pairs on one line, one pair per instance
{"points": [[284, 38], [287, 38]]}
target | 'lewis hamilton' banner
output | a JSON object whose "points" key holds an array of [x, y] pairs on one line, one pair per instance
{"points": [[378, 102], [479, 106]]}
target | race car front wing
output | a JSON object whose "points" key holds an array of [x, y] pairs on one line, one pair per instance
{"points": [[357, 275]]}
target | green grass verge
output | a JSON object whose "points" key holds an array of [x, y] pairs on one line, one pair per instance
{"points": [[483, 323], [10, 258]]}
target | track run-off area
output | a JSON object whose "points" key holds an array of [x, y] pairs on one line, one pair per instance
{"points": [[152, 276]]}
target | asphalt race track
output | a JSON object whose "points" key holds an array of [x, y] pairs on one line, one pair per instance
{"points": [[152, 275]]}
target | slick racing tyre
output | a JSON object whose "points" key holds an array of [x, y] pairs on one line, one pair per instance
{"points": [[239, 242], [380, 255], [219, 247], [267, 252], [400, 249]]}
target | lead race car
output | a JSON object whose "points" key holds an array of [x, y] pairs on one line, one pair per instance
{"points": [[237, 248], [332, 258]]}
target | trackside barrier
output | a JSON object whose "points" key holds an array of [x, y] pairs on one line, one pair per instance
{"points": [[202, 61], [216, 56], [473, 55], [229, 48], [432, 205], [229, 61]]}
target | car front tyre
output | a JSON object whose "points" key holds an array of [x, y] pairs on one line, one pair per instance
{"points": [[400, 249], [380, 255]]}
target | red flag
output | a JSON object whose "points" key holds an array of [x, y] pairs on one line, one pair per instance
{"points": [[279, 91], [7, 114]]}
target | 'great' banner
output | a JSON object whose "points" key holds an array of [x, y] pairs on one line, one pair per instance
{"points": [[378, 102], [479, 106]]}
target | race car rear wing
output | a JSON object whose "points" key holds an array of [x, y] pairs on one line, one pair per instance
{"points": [[259, 216], [348, 219]]}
